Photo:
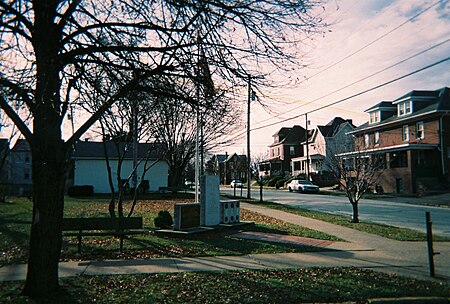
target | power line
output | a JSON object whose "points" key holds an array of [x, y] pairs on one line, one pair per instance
{"points": [[357, 94], [366, 77], [372, 42], [240, 134]]}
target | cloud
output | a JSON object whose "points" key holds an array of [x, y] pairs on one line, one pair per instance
{"points": [[371, 35]]}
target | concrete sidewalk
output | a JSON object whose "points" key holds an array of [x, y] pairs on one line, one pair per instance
{"points": [[360, 250]]}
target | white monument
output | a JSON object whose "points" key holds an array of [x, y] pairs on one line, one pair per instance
{"points": [[209, 200]]}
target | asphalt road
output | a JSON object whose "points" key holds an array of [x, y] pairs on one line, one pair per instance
{"points": [[390, 212]]}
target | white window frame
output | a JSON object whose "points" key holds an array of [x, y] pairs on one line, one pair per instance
{"points": [[374, 117], [366, 140], [376, 138], [405, 133], [420, 130], [404, 108]]}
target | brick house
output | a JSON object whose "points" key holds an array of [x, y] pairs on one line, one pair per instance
{"points": [[228, 167], [412, 135], [285, 146], [323, 142]]}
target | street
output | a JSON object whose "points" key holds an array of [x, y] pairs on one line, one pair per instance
{"points": [[389, 212]]}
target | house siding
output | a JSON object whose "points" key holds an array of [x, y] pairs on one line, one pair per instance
{"points": [[427, 157], [93, 172]]}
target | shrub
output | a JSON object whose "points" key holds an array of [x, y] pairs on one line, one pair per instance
{"points": [[85, 190], [163, 220], [280, 183], [273, 181]]}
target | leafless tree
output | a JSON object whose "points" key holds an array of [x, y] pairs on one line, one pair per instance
{"points": [[358, 172], [261, 180], [50, 49], [173, 124]]}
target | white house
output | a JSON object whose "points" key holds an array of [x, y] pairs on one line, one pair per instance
{"points": [[89, 165], [323, 143]]}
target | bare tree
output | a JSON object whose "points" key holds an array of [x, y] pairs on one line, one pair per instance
{"points": [[261, 180], [358, 172], [172, 123], [50, 49]]}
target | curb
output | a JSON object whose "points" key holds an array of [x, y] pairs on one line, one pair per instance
{"points": [[410, 300]]}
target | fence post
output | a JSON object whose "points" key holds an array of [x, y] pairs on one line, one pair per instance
{"points": [[430, 242]]}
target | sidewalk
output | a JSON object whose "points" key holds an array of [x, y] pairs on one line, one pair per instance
{"points": [[360, 250]]}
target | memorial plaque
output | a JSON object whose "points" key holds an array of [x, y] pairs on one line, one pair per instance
{"points": [[186, 216]]}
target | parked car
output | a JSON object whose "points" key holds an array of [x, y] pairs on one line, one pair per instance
{"points": [[301, 185], [236, 184]]}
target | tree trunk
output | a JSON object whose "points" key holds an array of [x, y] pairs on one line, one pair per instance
{"points": [[49, 155], [355, 217], [49, 160], [261, 193], [175, 180]]}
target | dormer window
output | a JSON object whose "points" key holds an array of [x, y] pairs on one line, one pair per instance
{"points": [[374, 117], [404, 108]]}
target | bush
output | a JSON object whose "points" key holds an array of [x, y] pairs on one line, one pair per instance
{"points": [[85, 190], [280, 183], [273, 181], [163, 220]]}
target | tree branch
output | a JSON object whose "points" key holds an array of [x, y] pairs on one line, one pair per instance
{"points": [[23, 128]]}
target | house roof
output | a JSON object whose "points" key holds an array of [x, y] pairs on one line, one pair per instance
{"points": [[381, 106], [438, 101], [417, 94], [330, 129], [96, 150], [239, 156], [221, 157], [292, 136]]}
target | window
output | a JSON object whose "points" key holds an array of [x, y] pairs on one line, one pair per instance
{"points": [[377, 138], [26, 174], [420, 134], [366, 140], [292, 150], [404, 108], [398, 159], [374, 117], [405, 133]]}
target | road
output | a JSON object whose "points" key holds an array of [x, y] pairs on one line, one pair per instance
{"points": [[389, 211]]}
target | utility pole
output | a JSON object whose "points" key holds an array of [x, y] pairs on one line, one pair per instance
{"points": [[135, 142], [249, 169], [307, 147], [251, 95]]}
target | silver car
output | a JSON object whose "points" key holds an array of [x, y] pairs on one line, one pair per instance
{"points": [[301, 185], [236, 184]]}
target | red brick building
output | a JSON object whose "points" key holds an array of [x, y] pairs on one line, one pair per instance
{"points": [[285, 146], [412, 133]]}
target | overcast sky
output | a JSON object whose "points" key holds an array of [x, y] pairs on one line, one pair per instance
{"points": [[374, 35]]}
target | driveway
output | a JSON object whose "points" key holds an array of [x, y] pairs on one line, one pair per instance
{"points": [[390, 211]]}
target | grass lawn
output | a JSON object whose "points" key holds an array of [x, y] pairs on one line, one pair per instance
{"points": [[15, 218], [391, 232], [263, 286]]}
